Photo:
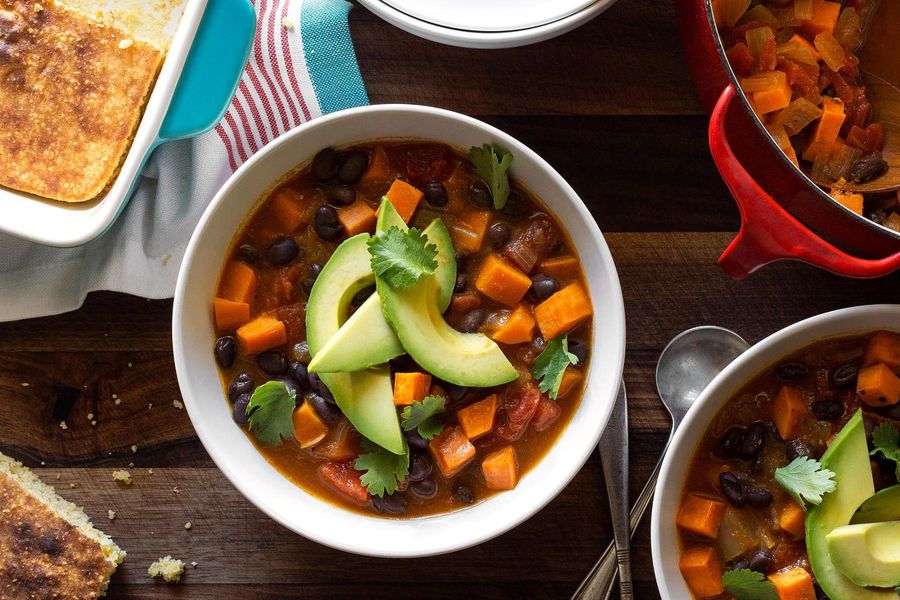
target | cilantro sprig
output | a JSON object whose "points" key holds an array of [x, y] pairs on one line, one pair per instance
{"points": [[269, 413], [887, 441], [745, 584], [402, 258], [550, 365], [491, 164], [384, 470], [806, 480], [423, 416]]}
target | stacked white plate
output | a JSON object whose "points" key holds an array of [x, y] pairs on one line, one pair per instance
{"points": [[494, 24]]}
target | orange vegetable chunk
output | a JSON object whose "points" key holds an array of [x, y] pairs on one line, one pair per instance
{"points": [[410, 387], [700, 515], [341, 443], [824, 17], [379, 167], [468, 231], [563, 311], [878, 386], [519, 327], [560, 267], [788, 410], [702, 571], [451, 450], [829, 126], [357, 218], [238, 282], [405, 198], [883, 347], [229, 314], [793, 520], [546, 414], [500, 281], [285, 212], [793, 584], [477, 419], [773, 98], [260, 334], [345, 479], [571, 380], [309, 429], [852, 200], [501, 469], [462, 303]]}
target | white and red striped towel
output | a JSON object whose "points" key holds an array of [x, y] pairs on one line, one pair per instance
{"points": [[301, 66]]}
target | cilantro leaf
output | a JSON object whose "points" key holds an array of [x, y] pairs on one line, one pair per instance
{"points": [[269, 411], [550, 365], [887, 441], [491, 164], [383, 469], [401, 258], [745, 584], [424, 416], [806, 480]]}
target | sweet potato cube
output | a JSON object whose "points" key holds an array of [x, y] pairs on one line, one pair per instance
{"points": [[793, 520], [700, 515], [852, 200], [451, 450], [345, 479], [883, 347], [309, 429], [518, 328], [410, 387], [702, 571], [829, 125], [560, 267], [357, 218], [500, 281], [285, 211], [571, 380], [773, 98], [788, 411], [405, 198], [878, 386], [238, 282], [563, 311], [229, 314], [824, 17], [262, 333], [379, 167], [477, 419], [468, 231], [501, 469], [793, 584]]}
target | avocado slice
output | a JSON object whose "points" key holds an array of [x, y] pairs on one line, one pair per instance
{"points": [[848, 458], [883, 506], [868, 554], [343, 352], [469, 359], [365, 397]]}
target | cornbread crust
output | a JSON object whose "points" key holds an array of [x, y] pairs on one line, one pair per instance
{"points": [[48, 547], [72, 91]]}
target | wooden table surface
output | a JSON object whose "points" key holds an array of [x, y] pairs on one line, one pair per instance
{"points": [[612, 108]]}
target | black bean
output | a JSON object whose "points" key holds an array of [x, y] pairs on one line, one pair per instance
{"points": [[828, 409], [353, 166], [868, 167], [472, 322], [326, 223], [844, 376], [498, 234], [292, 387], [225, 351], [415, 440], [796, 448], [340, 193], [248, 253], [239, 409], [462, 281], [282, 251], [761, 561], [362, 295], [464, 493], [741, 563], [758, 497], [420, 467], [455, 392], [479, 194], [580, 350], [730, 443], [241, 384], [791, 371], [393, 504], [515, 207], [312, 273], [754, 439], [425, 489], [325, 164], [460, 261], [543, 286], [732, 489], [317, 385], [300, 351], [328, 412], [436, 194], [297, 371], [271, 362]]}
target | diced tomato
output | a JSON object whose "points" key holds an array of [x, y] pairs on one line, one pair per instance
{"points": [[518, 408], [426, 163], [345, 479], [868, 140], [740, 59], [532, 244], [768, 55], [803, 78], [547, 413]]}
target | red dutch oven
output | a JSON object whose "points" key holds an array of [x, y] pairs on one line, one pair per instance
{"points": [[784, 215]]}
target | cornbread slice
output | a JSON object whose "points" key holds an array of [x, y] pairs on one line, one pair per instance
{"points": [[72, 91], [48, 546]]}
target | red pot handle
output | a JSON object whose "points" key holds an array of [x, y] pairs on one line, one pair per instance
{"points": [[768, 232]]}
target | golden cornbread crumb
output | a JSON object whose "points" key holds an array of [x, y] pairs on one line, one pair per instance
{"points": [[111, 514], [170, 569], [123, 476], [177, 404]]}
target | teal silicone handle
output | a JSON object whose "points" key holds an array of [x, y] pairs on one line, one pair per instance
{"points": [[212, 69]]}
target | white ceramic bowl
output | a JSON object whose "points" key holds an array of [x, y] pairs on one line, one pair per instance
{"points": [[193, 336], [664, 534]]}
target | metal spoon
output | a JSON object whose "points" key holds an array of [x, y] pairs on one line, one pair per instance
{"points": [[686, 366]]}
